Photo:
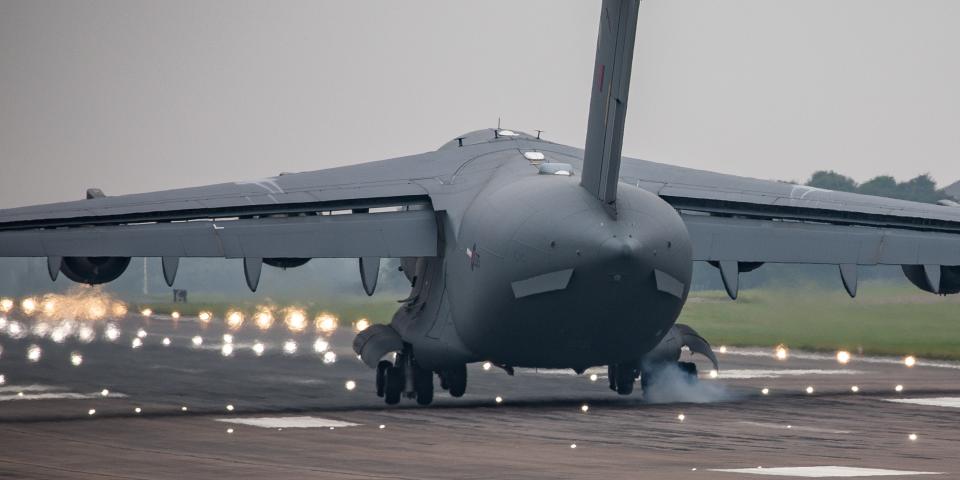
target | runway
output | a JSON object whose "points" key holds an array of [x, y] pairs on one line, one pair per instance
{"points": [[157, 412]]}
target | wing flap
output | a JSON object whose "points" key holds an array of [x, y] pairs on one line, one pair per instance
{"points": [[721, 239], [411, 233]]}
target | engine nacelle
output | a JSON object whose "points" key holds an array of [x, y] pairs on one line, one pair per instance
{"points": [[949, 279], [94, 270], [286, 263]]}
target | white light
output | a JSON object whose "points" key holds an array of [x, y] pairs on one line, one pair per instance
{"points": [[227, 338], [111, 332], [913, 437], [234, 320], [6, 305], [166, 341], [320, 345], [91, 412], [197, 341], [843, 357], [898, 388], [499, 399], [263, 319], [34, 353], [296, 320], [593, 377], [229, 430], [58, 335], [205, 316], [765, 391], [86, 334], [326, 323], [229, 408], [584, 408], [3, 379], [534, 156], [258, 348], [329, 357], [910, 361], [137, 410], [382, 426], [226, 349], [28, 306], [3, 322], [104, 392], [361, 325], [175, 315], [565, 173], [136, 343], [76, 359], [350, 385], [16, 330], [854, 389], [146, 312], [723, 349], [290, 347], [781, 353], [681, 417], [487, 365], [809, 390], [573, 445], [714, 374], [183, 409], [141, 333]]}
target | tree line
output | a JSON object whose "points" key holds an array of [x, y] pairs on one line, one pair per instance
{"points": [[921, 188]]}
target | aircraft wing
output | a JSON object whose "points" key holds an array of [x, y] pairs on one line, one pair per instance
{"points": [[377, 209], [738, 223]]}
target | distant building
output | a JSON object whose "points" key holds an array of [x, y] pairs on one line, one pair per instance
{"points": [[953, 190]]}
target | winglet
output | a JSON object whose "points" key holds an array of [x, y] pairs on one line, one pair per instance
{"points": [[608, 102]]}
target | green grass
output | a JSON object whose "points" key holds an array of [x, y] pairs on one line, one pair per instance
{"points": [[882, 320]]}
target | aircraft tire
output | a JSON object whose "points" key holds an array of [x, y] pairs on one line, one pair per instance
{"points": [[394, 385], [423, 385], [457, 381], [625, 379], [382, 376]]}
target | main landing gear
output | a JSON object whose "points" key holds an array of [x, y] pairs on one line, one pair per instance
{"points": [[623, 375], [406, 378]]}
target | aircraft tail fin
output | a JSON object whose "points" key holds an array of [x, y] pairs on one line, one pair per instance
{"points": [[608, 102]]}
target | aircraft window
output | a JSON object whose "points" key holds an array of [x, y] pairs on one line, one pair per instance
{"points": [[534, 156], [556, 169]]}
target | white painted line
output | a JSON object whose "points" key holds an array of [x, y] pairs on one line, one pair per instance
{"points": [[30, 388], [794, 354], [57, 396], [289, 422], [949, 402], [777, 373], [824, 472], [798, 428]]}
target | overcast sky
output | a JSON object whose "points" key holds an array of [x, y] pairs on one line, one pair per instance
{"points": [[134, 96]]}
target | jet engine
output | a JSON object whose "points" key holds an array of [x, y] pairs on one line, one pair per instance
{"points": [[286, 263], [94, 270], [926, 278]]}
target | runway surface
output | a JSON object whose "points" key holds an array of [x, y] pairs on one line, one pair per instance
{"points": [[165, 414]]}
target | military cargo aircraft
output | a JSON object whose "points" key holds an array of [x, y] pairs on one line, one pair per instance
{"points": [[519, 251]]}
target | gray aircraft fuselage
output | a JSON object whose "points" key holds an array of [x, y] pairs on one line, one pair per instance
{"points": [[538, 273]]}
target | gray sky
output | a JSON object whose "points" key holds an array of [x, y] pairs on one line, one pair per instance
{"points": [[134, 96]]}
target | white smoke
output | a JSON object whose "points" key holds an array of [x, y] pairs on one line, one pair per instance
{"points": [[670, 384]]}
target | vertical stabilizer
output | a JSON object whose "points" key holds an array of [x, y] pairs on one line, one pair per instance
{"points": [[608, 103]]}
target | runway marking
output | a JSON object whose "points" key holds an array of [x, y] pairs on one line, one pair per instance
{"points": [[949, 402], [57, 396], [777, 373], [779, 426], [289, 422], [760, 352], [823, 472], [30, 388]]}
